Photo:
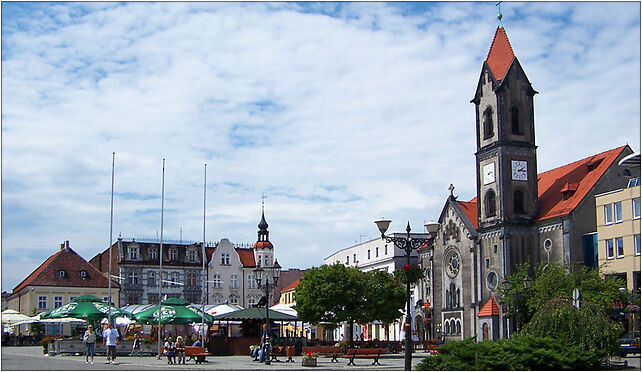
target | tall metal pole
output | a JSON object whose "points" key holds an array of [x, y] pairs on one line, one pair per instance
{"points": [[160, 262], [203, 277], [111, 229], [408, 355], [267, 319]]}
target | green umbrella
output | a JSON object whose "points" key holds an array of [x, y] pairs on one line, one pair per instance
{"points": [[173, 311], [86, 307]]}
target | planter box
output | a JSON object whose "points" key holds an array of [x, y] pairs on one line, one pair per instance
{"points": [[309, 362]]}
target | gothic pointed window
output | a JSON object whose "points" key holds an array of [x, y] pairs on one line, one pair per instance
{"points": [[488, 123], [514, 121], [489, 203], [518, 201]]}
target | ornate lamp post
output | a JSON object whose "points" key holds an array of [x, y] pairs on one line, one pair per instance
{"points": [[261, 274], [517, 297], [408, 244]]}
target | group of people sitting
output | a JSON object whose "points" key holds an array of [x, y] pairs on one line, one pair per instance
{"points": [[263, 350], [175, 349]]}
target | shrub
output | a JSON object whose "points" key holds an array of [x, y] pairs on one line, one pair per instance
{"points": [[520, 352]]}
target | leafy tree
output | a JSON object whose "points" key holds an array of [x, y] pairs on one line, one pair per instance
{"points": [[333, 294], [386, 297]]}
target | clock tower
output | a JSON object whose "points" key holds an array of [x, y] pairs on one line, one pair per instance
{"points": [[506, 158]]}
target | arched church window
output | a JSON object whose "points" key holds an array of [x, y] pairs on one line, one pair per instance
{"points": [[514, 121], [458, 327], [447, 299], [485, 331], [518, 201], [458, 297], [453, 295], [489, 203], [488, 123], [446, 327]]}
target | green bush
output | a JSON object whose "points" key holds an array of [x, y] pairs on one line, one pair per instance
{"points": [[520, 352]]}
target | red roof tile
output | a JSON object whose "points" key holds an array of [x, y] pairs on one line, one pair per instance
{"points": [[70, 261], [261, 245], [491, 308], [246, 256], [500, 55], [291, 286], [470, 210]]}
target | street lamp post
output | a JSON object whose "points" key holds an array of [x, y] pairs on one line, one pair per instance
{"points": [[259, 273], [517, 297], [408, 244]]}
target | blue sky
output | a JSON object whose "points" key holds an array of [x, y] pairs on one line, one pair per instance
{"points": [[340, 113]]}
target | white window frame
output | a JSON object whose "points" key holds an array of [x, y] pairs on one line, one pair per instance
{"points": [[267, 261], [617, 212], [42, 302], [151, 278], [152, 254], [133, 253], [216, 281], [234, 281], [83, 273], [636, 244], [385, 250], [636, 208], [608, 214], [192, 255], [173, 254], [234, 299], [619, 247], [225, 259], [251, 281], [217, 299], [610, 249], [58, 301], [132, 278], [61, 273]]}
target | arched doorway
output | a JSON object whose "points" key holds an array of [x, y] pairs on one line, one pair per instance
{"points": [[419, 327]]}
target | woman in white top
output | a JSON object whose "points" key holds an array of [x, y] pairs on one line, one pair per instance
{"points": [[90, 341]]}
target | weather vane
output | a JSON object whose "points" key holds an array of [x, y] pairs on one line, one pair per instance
{"points": [[499, 13]]}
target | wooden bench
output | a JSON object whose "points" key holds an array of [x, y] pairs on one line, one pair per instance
{"points": [[331, 351], [197, 353], [276, 351], [373, 353]]}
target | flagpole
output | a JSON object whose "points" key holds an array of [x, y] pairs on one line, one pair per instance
{"points": [[204, 258], [111, 228], [160, 262]]}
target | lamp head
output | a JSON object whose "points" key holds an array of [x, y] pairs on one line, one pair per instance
{"points": [[505, 284], [258, 274], [432, 227], [383, 225], [527, 282], [276, 271]]}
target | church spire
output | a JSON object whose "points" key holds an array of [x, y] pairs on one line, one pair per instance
{"points": [[263, 240], [500, 55]]}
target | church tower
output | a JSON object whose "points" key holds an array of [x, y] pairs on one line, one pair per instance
{"points": [[506, 159], [263, 249]]}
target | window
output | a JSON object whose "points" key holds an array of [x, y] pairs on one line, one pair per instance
{"points": [[191, 279], [57, 301], [354, 258], [152, 254], [267, 261], [61, 273], [633, 181], [251, 281], [252, 300], [132, 299], [234, 281], [385, 249], [636, 244], [377, 252], [133, 253], [152, 298], [173, 254], [636, 208], [368, 254], [487, 263], [514, 120], [192, 255], [151, 279], [490, 203], [132, 278], [72, 298], [518, 201], [347, 260], [488, 123], [217, 281], [608, 214], [618, 211], [225, 259], [609, 249], [619, 247], [495, 248], [83, 273], [458, 323], [446, 327], [234, 299], [42, 302], [173, 277], [258, 262], [106, 299]]}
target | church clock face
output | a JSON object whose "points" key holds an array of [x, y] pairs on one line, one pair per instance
{"points": [[519, 170], [452, 264], [489, 173]]}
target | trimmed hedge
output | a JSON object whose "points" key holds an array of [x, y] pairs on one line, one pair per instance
{"points": [[520, 352]]}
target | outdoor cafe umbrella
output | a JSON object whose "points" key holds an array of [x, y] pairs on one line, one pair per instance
{"points": [[10, 317], [173, 311], [86, 307]]}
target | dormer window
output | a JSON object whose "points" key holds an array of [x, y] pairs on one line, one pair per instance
{"points": [[83, 274], [133, 253], [173, 254], [61, 273]]}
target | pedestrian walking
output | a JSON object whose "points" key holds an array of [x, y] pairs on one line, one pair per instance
{"points": [[89, 339], [136, 345], [110, 340]]}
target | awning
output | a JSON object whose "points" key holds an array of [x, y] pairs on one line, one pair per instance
{"points": [[256, 313]]}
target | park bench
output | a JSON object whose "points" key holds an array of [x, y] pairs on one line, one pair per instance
{"points": [[197, 353], [373, 353], [331, 351]]}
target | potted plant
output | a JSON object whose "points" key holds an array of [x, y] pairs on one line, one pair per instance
{"points": [[45, 343], [309, 359]]}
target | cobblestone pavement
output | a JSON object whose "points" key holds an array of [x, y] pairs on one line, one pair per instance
{"points": [[31, 358]]}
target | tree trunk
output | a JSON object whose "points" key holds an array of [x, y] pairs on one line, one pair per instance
{"points": [[350, 332]]}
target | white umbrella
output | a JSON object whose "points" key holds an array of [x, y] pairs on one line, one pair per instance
{"points": [[119, 321], [12, 316], [221, 309]]}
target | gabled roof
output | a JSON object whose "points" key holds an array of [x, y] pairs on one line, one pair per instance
{"points": [[291, 286], [72, 263], [576, 180], [500, 55], [247, 256], [490, 309], [470, 210]]}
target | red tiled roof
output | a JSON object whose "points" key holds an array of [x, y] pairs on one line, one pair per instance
{"points": [[577, 178], [261, 245], [500, 54], [491, 308], [470, 210], [70, 261], [246, 256], [291, 286]]}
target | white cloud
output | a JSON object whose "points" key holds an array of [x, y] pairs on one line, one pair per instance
{"points": [[340, 112]]}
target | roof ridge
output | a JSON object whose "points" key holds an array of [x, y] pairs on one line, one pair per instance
{"points": [[35, 272], [591, 157]]}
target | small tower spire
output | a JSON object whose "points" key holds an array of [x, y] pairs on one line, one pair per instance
{"points": [[499, 13]]}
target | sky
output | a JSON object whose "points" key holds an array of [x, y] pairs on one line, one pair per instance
{"points": [[340, 113]]}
